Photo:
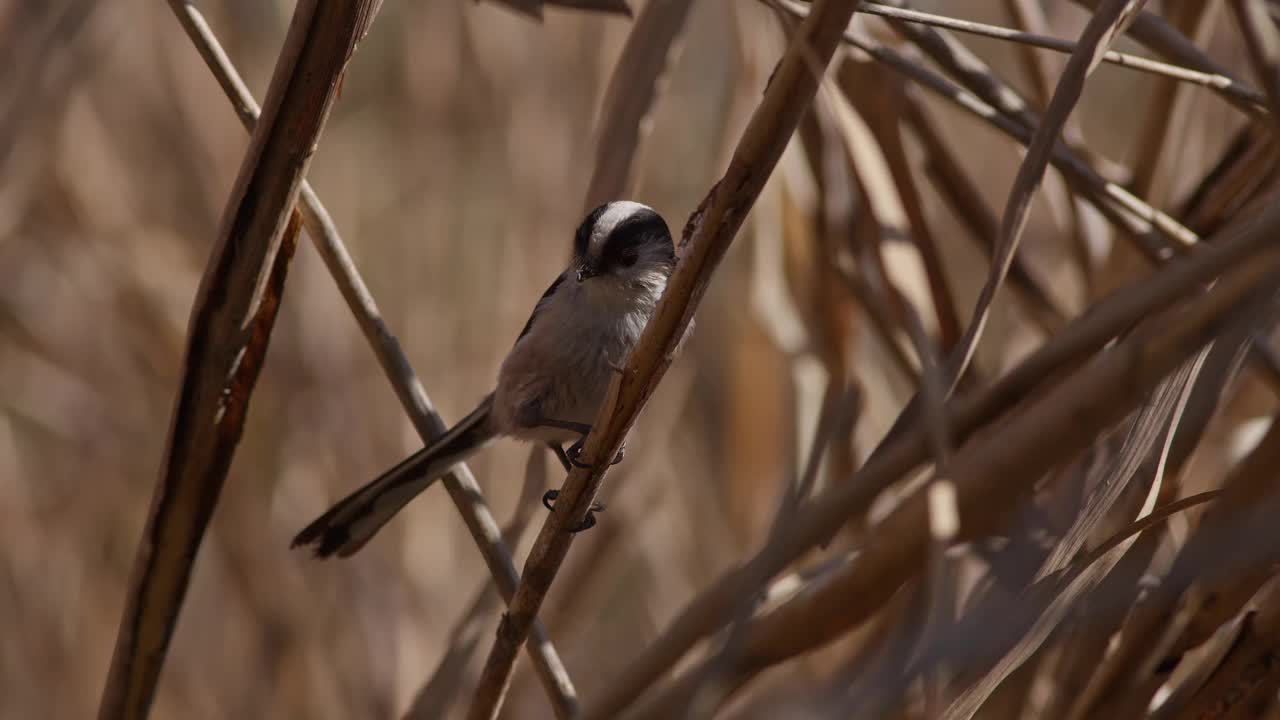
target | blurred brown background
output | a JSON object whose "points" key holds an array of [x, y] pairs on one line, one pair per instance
{"points": [[455, 165]]}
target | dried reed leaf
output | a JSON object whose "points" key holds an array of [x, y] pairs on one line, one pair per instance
{"points": [[1242, 683], [1127, 674], [1160, 416], [959, 189], [1107, 23], [1041, 69]]}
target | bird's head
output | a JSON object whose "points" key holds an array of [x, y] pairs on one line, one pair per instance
{"points": [[623, 243]]}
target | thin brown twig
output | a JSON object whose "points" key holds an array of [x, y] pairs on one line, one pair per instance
{"points": [[441, 689], [707, 237], [229, 330], [1158, 233], [460, 483], [1232, 90], [1162, 38]]}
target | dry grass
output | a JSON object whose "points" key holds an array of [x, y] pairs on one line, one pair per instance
{"points": [[976, 422]]}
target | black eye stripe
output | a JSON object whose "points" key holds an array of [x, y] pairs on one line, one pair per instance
{"points": [[642, 230], [639, 223]]}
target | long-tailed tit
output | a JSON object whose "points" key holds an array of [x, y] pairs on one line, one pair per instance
{"points": [[553, 380]]}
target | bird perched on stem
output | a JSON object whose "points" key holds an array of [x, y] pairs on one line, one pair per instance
{"points": [[553, 379]]}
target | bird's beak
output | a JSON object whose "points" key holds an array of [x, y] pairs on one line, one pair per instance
{"points": [[585, 271]]}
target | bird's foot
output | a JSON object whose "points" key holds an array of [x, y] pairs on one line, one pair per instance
{"points": [[576, 449], [588, 522]]}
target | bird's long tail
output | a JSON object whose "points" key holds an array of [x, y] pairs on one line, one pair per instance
{"points": [[349, 524]]}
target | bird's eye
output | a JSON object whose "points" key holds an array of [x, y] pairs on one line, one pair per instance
{"points": [[629, 258]]}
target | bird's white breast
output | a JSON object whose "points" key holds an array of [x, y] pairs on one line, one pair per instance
{"points": [[564, 363]]}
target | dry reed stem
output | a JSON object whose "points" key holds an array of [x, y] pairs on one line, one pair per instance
{"points": [[1165, 112], [1040, 68], [1159, 233], [990, 474], [460, 483], [450, 677], [1126, 676], [971, 71], [959, 190], [1117, 313], [1244, 169], [1159, 415], [1029, 17], [1244, 684], [1104, 27], [1164, 39], [824, 239], [651, 48], [896, 206], [1003, 107], [1219, 367], [1262, 40], [707, 237], [1163, 123], [230, 326]]}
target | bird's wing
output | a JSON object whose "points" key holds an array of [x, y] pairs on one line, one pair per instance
{"points": [[550, 291]]}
